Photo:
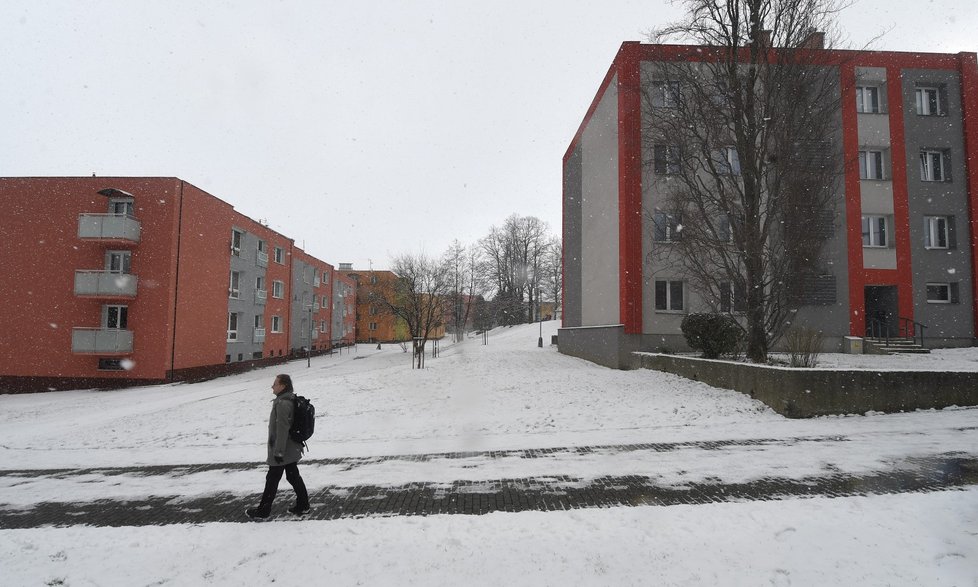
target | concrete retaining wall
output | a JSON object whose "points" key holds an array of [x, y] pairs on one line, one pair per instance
{"points": [[803, 393]]}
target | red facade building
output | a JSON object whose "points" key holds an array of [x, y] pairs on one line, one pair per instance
{"points": [[142, 280]]}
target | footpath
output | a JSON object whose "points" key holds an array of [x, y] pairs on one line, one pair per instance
{"points": [[943, 472]]}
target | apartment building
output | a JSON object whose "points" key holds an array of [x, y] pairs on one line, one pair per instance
{"points": [[344, 310], [373, 322], [125, 280], [902, 247]]}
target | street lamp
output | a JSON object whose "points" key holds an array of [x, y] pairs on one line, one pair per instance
{"points": [[540, 320]]}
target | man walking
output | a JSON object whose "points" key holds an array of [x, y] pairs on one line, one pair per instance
{"points": [[283, 453]]}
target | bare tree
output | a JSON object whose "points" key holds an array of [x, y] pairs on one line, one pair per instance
{"points": [[417, 297], [553, 263], [744, 150], [514, 264], [465, 281]]}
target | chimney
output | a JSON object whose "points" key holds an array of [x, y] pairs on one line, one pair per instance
{"points": [[814, 40]]}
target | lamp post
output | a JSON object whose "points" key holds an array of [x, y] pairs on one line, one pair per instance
{"points": [[540, 320], [309, 342]]}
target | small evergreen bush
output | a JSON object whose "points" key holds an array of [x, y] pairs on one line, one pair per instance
{"points": [[713, 334]]}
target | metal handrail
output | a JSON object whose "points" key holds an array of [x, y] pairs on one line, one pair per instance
{"points": [[906, 328]]}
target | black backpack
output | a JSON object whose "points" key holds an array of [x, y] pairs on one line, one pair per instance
{"points": [[303, 420]]}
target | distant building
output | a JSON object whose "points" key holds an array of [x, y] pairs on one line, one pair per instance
{"points": [[903, 245], [116, 281], [373, 322]]}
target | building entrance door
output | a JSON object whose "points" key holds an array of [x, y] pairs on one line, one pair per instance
{"points": [[882, 311]]}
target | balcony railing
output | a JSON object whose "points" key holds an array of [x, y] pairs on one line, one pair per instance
{"points": [[259, 335], [108, 227], [105, 284], [262, 259], [261, 296], [101, 341]]}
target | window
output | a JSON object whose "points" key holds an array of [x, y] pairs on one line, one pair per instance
{"points": [[115, 317], [325, 302], [234, 290], [870, 165], [373, 280], [121, 206], [305, 274], [322, 326], [936, 232], [929, 101], [262, 256], [874, 231], [118, 261], [372, 326], [665, 93], [106, 364], [942, 293], [260, 283], [726, 161], [276, 324], [236, 242], [723, 228], [868, 99], [732, 297], [667, 228], [373, 310], [232, 327], [258, 320], [278, 289], [669, 296], [665, 159], [280, 255], [934, 166]]}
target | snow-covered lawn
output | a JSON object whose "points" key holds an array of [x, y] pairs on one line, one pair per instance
{"points": [[508, 394]]}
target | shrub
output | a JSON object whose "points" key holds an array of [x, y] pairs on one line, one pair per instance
{"points": [[713, 334], [804, 346]]}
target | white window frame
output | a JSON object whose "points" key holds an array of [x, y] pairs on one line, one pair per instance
{"points": [[276, 324], [933, 165], [936, 227], [236, 237], [124, 262], [875, 230], [726, 160], [670, 161], [666, 227], [278, 289], [928, 101], [127, 204], [121, 317], [665, 93], [280, 255], [868, 99], [669, 302], [871, 165], [233, 326], [372, 326], [937, 300], [234, 285]]}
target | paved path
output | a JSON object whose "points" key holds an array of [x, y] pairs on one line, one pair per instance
{"points": [[945, 472]]}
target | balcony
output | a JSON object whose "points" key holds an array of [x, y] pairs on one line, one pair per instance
{"points": [[262, 259], [101, 341], [261, 296], [115, 227], [105, 284], [259, 335]]}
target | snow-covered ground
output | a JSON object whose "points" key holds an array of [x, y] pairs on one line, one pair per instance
{"points": [[508, 394]]}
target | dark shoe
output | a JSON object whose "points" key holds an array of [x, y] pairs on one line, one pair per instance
{"points": [[299, 511], [257, 513]]}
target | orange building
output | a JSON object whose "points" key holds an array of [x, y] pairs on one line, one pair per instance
{"points": [[374, 324], [123, 281]]}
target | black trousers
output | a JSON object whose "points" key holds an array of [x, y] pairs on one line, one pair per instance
{"points": [[295, 480]]}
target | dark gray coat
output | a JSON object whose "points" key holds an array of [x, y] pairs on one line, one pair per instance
{"points": [[279, 441]]}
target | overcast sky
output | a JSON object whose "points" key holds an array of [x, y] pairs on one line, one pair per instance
{"points": [[361, 129]]}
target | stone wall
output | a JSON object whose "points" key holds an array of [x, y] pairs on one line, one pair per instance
{"points": [[804, 393]]}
